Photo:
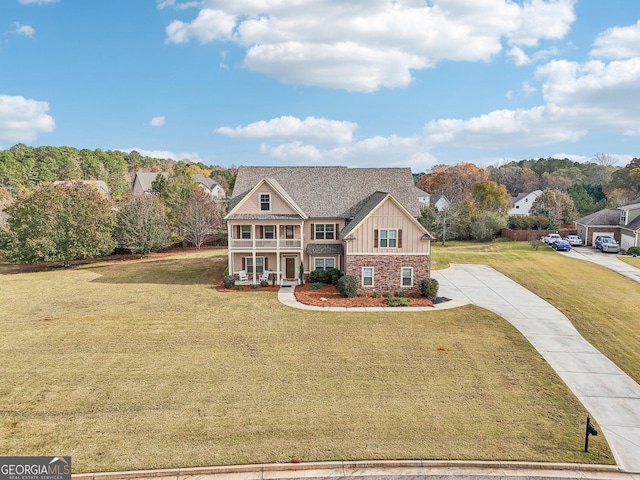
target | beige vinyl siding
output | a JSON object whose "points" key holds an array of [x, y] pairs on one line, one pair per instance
{"points": [[308, 234], [251, 205], [270, 260], [388, 216]]}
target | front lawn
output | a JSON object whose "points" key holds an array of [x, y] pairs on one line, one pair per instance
{"points": [[145, 365]]}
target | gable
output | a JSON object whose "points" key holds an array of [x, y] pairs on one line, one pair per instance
{"points": [[279, 204]]}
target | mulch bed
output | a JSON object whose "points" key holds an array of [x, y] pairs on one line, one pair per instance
{"points": [[328, 296]]}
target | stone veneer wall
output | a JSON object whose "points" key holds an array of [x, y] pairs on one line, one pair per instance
{"points": [[387, 270]]}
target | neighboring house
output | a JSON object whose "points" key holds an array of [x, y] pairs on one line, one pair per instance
{"points": [[521, 205], [425, 199], [359, 220], [99, 185], [144, 180], [622, 223]]}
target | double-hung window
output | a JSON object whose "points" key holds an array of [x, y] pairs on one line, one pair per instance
{"points": [[245, 232], [259, 265], [407, 277], [324, 263], [388, 238], [265, 202], [269, 232], [367, 276], [325, 231]]}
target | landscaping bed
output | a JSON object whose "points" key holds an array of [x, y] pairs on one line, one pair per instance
{"points": [[328, 296]]}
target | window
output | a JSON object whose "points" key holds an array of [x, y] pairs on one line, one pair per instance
{"points": [[407, 276], [269, 231], [265, 202], [288, 231], [388, 238], [367, 276], [623, 217], [245, 231], [259, 265], [325, 231], [324, 263]]}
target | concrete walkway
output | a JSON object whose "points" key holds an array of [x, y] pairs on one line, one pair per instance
{"points": [[611, 396], [607, 260], [377, 470]]}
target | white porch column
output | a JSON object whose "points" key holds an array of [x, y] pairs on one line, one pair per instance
{"points": [[302, 247], [278, 275], [229, 252]]}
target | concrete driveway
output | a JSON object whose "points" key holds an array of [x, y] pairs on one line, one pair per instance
{"points": [[610, 395], [607, 260]]}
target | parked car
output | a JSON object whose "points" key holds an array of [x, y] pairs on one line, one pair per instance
{"points": [[574, 240], [561, 245], [606, 244], [551, 237]]}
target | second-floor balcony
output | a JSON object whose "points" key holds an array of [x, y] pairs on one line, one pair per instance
{"points": [[265, 243]]}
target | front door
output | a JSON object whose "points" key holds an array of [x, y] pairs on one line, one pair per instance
{"points": [[290, 267]]}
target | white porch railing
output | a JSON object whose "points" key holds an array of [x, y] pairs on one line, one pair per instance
{"points": [[262, 244]]}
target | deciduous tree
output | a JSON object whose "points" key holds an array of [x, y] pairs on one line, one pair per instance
{"points": [[453, 181], [142, 225], [199, 217], [59, 223]]}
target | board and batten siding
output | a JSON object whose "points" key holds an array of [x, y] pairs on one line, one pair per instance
{"points": [[251, 205], [388, 215]]}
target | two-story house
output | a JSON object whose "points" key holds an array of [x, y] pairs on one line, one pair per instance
{"points": [[143, 183], [359, 220], [521, 204]]}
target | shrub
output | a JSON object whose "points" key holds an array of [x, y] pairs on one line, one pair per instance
{"points": [[228, 281], [361, 294], [388, 295], [317, 285], [397, 302], [402, 294], [348, 286], [633, 250], [377, 295], [226, 271], [429, 288], [325, 276], [264, 283]]}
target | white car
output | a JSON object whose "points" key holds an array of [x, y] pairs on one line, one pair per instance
{"points": [[551, 238], [574, 240]]}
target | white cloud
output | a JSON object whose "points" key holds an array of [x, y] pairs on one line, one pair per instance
{"points": [[509, 94], [24, 30], [517, 55], [362, 46], [22, 119], [36, 2], [527, 89], [618, 43], [162, 4], [318, 130], [157, 121]]}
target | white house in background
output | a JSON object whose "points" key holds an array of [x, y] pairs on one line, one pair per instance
{"points": [[144, 180], [521, 205], [425, 199]]}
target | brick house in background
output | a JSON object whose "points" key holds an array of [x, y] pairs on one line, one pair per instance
{"points": [[359, 220]]}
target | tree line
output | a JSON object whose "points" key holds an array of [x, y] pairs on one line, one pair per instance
{"points": [[480, 197], [41, 221]]}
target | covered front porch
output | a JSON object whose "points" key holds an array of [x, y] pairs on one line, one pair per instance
{"points": [[279, 268]]}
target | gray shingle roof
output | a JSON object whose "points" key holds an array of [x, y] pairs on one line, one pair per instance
{"points": [[633, 225], [331, 192], [264, 216], [607, 217], [145, 179], [324, 249], [371, 203], [206, 181]]}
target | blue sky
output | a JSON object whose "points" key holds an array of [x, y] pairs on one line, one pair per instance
{"points": [[324, 82]]}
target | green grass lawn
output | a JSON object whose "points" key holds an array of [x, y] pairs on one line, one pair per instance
{"points": [[146, 365]]}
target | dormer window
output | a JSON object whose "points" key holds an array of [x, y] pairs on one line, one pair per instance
{"points": [[623, 217], [265, 202]]}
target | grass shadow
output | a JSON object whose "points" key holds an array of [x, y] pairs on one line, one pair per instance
{"points": [[191, 271]]}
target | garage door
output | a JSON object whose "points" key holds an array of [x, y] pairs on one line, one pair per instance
{"points": [[595, 234], [626, 241]]}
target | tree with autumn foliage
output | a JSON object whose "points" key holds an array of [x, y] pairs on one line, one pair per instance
{"points": [[199, 217], [453, 181], [557, 202], [491, 197]]}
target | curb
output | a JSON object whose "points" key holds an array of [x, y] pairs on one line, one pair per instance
{"points": [[508, 468]]}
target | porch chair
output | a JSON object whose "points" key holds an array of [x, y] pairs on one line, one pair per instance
{"points": [[242, 276], [264, 276]]}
